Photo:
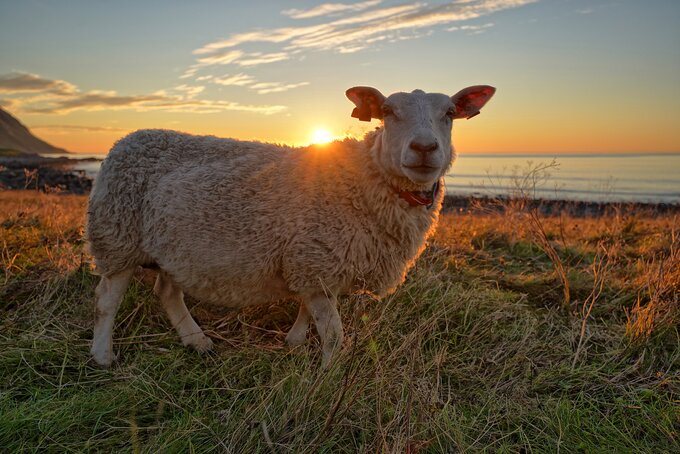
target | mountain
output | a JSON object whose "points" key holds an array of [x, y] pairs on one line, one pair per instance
{"points": [[15, 136]]}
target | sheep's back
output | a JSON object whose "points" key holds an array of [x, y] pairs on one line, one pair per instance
{"points": [[129, 179]]}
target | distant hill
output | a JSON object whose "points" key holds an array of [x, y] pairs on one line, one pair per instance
{"points": [[15, 136]]}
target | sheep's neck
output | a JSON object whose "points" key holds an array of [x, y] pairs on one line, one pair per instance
{"points": [[419, 198]]}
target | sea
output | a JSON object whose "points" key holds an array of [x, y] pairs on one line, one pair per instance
{"points": [[599, 177]]}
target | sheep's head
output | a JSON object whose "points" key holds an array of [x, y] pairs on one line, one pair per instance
{"points": [[416, 139]]}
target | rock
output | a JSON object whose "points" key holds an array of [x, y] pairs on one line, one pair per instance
{"points": [[43, 174]]}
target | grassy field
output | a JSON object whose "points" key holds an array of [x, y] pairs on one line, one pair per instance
{"points": [[514, 333]]}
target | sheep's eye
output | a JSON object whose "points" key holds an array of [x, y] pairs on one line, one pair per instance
{"points": [[451, 113], [387, 110]]}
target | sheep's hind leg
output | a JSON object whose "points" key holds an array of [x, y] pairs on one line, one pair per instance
{"points": [[172, 299], [110, 292], [298, 333], [324, 310]]}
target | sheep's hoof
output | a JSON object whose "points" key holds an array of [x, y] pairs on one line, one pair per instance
{"points": [[295, 339], [199, 342], [103, 358]]}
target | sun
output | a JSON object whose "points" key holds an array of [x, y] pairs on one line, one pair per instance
{"points": [[321, 135]]}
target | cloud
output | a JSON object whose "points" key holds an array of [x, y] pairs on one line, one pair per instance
{"points": [[220, 58], [190, 72], [353, 33], [278, 35], [104, 101], [91, 101], [328, 9], [474, 29], [262, 88], [94, 129], [17, 82], [67, 98], [190, 90], [239, 80], [275, 87], [258, 58]]}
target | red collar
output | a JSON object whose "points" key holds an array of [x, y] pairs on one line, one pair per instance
{"points": [[419, 198]]}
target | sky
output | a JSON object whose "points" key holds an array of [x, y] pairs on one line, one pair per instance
{"points": [[572, 75]]}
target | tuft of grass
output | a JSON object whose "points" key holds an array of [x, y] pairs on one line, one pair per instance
{"points": [[475, 352]]}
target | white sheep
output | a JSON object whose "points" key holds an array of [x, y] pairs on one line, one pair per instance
{"points": [[241, 223]]}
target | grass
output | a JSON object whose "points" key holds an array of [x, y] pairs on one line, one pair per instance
{"points": [[475, 352]]}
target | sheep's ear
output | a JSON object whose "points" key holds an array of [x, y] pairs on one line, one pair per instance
{"points": [[470, 100], [368, 102]]}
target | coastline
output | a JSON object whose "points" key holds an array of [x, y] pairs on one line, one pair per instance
{"points": [[46, 174], [61, 175], [555, 207]]}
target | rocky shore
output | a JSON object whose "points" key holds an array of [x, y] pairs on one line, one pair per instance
{"points": [[61, 175], [555, 207], [24, 171]]}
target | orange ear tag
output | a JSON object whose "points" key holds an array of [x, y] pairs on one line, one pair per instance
{"points": [[362, 114]]}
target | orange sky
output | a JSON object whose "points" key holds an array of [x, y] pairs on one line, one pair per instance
{"points": [[574, 76]]}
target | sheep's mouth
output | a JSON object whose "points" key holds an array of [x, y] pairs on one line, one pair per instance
{"points": [[422, 168]]}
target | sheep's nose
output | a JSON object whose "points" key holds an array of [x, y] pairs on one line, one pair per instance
{"points": [[423, 147]]}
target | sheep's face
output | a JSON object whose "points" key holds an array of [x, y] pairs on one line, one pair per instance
{"points": [[416, 140]]}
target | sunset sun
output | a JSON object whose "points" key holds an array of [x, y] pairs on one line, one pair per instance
{"points": [[321, 135]]}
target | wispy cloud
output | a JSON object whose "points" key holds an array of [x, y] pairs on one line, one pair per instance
{"points": [[93, 129], [473, 29], [92, 100], [363, 23], [103, 101], [275, 87], [17, 82], [239, 80], [34, 94], [262, 88], [190, 90], [328, 9], [220, 58], [190, 72], [298, 36], [258, 58]]}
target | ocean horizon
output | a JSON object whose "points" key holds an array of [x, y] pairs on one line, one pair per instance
{"points": [[599, 177]]}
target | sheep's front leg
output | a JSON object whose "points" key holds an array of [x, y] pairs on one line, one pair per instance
{"points": [[324, 311], [172, 299], [298, 333], [110, 292]]}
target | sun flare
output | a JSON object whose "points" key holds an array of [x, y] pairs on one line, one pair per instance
{"points": [[321, 135]]}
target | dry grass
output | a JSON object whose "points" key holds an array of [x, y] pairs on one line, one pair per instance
{"points": [[476, 352]]}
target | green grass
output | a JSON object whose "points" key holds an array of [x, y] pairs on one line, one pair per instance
{"points": [[474, 353]]}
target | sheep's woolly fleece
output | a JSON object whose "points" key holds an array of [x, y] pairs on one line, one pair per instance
{"points": [[240, 223]]}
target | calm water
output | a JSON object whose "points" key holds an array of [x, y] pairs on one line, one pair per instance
{"points": [[599, 177]]}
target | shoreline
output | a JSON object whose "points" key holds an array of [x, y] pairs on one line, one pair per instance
{"points": [[57, 175], [554, 207], [46, 174]]}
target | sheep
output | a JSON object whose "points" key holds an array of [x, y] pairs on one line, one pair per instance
{"points": [[240, 223]]}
